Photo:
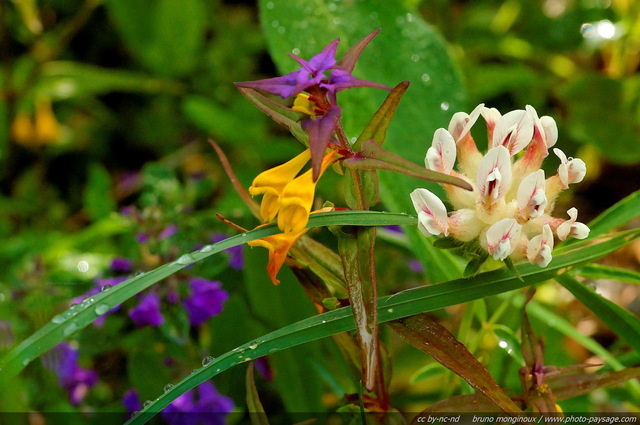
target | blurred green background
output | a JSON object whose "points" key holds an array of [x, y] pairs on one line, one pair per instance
{"points": [[107, 106]]}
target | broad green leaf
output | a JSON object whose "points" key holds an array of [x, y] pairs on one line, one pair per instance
{"points": [[426, 334], [403, 304], [65, 324], [407, 48], [624, 323], [598, 271]]}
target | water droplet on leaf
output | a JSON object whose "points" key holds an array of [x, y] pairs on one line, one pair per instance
{"points": [[70, 329], [207, 360], [444, 106], [59, 318], [101, 309], [168, 387]]}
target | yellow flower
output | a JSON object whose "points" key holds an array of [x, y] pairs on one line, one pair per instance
{"points": [[272, 182], [297, 198], [278, 246]]}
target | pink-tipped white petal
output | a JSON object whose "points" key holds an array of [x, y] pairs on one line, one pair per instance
{"points": [[572, 227], [531, 197], [502, 238], [540, 247], [442, 154], [550, 130], [514, 131], [491, 116], [432, 214], [461, 122], [570, 170], [494, 175]]}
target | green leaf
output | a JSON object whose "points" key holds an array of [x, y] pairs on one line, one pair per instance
{"points": [[598, 271], [254, 406], [403, 304], [428, 335], [617, 215], [624, 323], [356, 249], [573, 385]]}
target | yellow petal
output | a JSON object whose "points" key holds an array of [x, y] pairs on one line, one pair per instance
{"points": [[303, 105], [271, 183], [278, 246], [297, 198]]}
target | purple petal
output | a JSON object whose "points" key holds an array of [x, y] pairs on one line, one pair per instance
{"points": [[63, 359], [206, 300], [236, 253], [319, 132], [142, 237], [147, 312], [322, 61], [341, 79], [284, 86]]}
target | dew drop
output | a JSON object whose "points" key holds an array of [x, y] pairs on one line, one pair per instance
{"points": [[587, 30], [444, 106], [134, 414], [295, 51], [147, 404], [253, 346], [70, 329], [105, 287], [207, 360], [337, 21], [185, 259], [59, 318], [390, 310], [270, 5], [101, 309], [244, 235], [168, 387], [415, 57], [83, 266], [25, 362], [425, 77], [207, 248]]}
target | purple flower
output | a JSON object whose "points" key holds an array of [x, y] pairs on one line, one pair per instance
{"points": [[211, 408], [131, 400], [120, 264], [205, 301], [236, 256], [142, 237], [63, 359], [321, 103], [147, 312], [168, 231]]}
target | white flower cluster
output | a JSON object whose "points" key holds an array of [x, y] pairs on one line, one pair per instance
{"points": [[510, 205]]}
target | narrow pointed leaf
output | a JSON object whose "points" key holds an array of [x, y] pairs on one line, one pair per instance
{"points": [[254, 406], [624, 323], [573, 385], [376, 129], [598, 271], [356, 249], [428, 335], [619, 214], [467, 403]]}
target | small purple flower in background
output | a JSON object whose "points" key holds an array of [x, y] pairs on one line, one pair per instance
{"points": [[147, 312], [121, 265], [236, 256], [63, 359], [416, 266], [168, 231], [264, 368], [142, 238], [211, 408], [205, 301], [131, 401]]}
